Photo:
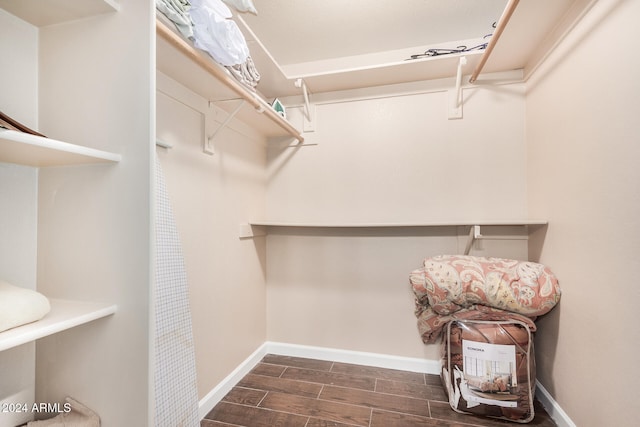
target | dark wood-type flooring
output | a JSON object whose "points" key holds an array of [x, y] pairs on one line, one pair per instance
{"points": [[287, 391]]}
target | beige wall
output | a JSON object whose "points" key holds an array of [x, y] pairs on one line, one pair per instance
{"points": [[397, 158], [583, 152], [211, 195], [385, 159]]}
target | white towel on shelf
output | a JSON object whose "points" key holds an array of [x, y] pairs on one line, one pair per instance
{"points": [[19, 306]]}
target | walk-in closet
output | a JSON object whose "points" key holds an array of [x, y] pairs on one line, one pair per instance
{"points": [[182, 220]]}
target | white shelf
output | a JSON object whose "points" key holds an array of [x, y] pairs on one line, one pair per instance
{"points": [[32, 150], [193, 68], [428, 68], [48, 12], [397, 224], [260, 228], [331, 75], [63, 315]]}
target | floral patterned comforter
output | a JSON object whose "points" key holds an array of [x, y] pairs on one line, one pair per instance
{"points": [[456, 287]]}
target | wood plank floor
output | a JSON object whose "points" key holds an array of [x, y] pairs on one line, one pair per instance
{"points": [[297, 392]]}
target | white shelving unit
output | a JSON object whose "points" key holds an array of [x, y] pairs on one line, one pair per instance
{"points": [[32, 150], [75, 217], [63, 315], [42, 23]]}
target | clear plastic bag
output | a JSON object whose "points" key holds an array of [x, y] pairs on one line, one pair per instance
{"points": [[488, 369]]}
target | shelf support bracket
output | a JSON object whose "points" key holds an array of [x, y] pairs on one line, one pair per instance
{"points": [[208, 143], [474, 234], [248, 231], [307, 109], [455, 95]]}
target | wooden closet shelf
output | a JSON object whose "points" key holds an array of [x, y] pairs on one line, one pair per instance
{"points": [[196, 70], [32, 150], [63, 315]]}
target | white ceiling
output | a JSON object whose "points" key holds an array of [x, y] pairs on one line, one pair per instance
{"points": [[317, 31], [297, 31]]}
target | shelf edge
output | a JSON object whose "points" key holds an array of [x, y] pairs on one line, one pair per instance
{"points": [[78, 313], [57, 146], [397, 225]]}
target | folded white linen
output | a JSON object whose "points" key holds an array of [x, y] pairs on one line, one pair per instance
{"points": [[216, 33], [19, 306]]}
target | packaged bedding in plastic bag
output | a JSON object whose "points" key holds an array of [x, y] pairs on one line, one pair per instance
{"points": [[488, 369]]}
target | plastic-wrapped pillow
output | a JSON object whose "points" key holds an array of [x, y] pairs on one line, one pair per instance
{"points": [[242, 5], [216, 34]]}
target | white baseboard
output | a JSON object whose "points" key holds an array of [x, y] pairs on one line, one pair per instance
{"points": [[208, 402], [426, 366], [357, 357], [553, 409], [212, 398]]}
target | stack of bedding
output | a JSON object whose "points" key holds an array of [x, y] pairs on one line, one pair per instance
{"points": [[457, 287], [484, 308]]}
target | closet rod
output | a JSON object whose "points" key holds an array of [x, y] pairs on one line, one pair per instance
{"points": [[502, 23], [220, 74]]}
